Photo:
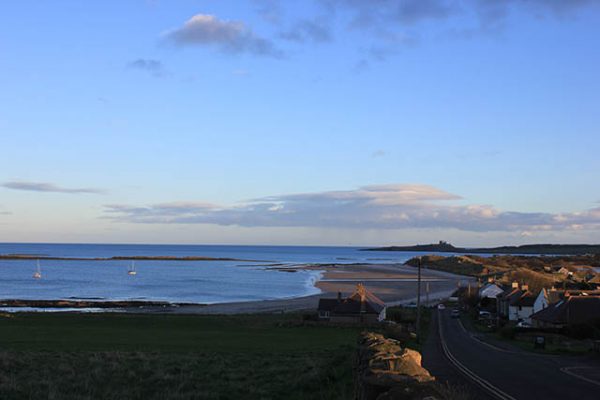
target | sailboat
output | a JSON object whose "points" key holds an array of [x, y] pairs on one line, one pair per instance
{"points": [[38, 272], [132, 270]]}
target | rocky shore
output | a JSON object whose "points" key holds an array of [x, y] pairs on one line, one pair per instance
{"points": [[126, 304]]}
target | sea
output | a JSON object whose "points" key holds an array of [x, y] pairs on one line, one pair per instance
{"points": [[258, 277]]}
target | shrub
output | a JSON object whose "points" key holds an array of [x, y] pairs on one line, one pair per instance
{"points": [[508, 332]]}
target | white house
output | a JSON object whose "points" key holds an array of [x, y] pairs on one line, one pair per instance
{"points": [[490, 291], [541, 301], [547, 297], [521, 308]]}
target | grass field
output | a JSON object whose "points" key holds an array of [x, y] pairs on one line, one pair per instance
{"points": [[119, 356]]}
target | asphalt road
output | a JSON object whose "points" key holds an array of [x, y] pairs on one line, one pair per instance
{"points": [[486, 371]]}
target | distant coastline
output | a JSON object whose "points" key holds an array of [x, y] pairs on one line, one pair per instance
{"points": [[537, 249]]}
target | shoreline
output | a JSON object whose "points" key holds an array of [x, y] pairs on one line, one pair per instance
{"points": [[395, 284]]}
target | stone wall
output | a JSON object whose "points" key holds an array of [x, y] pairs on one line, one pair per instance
{"points": [[386, 370]]}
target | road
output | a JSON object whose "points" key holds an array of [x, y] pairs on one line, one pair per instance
{"points": [[487, 371]]}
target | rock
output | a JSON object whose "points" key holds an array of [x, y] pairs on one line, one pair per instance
{"points": [[383, 364]]}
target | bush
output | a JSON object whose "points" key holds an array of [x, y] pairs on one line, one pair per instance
{"points": [[589, 330], [401, 314], [508, 332], [398, 332]]}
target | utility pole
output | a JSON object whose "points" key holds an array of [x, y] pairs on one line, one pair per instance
{"points": [[419, 301]]}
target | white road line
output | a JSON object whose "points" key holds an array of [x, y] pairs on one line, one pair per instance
{"points": [[567, 370], [462, 326], [484, 342], [491, 346], [470, 374]]}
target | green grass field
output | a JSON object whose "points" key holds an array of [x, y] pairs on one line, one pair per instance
{"points": [[118, 356]]}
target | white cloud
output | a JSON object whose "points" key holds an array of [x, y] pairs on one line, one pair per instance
{"points": [[399, 206], [228, 36], [48, 187]]}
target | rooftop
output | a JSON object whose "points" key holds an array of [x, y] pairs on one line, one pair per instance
{"points": [[361, 301]]}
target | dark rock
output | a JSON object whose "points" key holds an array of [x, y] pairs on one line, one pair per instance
{"points": [[383, 364]]}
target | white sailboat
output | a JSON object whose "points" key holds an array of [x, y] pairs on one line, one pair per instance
{"points": [[38, 272], [132, 270]]}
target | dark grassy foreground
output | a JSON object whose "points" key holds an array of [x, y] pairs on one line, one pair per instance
{"points": [[103, 356]]}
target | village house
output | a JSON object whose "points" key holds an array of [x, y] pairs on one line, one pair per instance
{"points": [[552, 296], [361, 306], [516, 303], [572, 310], [488, 294], [594, 281], [503, 299], [490, 291], [521, 308], [547, 297], [564, 271]]}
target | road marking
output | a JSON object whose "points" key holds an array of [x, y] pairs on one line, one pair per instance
{"points": [[470, 374], [491, 346], [462, 326], [481, 341], [567, 370]]}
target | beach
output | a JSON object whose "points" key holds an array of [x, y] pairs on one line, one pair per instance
{"points": [[395, 284], [203, 279]]}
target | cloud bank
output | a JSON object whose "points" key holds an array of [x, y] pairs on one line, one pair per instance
{"points": [[409, 12], [389, 25], [48, 187], [400, 206], [228, 36]]}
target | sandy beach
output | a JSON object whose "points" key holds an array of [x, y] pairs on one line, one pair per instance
{"points": [[395, 284]]}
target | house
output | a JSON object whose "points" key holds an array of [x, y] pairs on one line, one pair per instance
{"points": [[360, 306], [504, 299], [564, 271], [521, 308], [541, 301], [490, 291], [595, 281], [516, 303], [547, 297], [572, 310], [488, 294], [552, 296]]}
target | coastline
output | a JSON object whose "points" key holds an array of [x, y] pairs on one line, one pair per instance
{"points": [[395, 284]]}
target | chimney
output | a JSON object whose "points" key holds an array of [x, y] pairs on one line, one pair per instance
{"points": [[515, 285], [339, 297]]}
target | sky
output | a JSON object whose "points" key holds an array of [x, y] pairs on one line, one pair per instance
{"points": [[321, 122]]}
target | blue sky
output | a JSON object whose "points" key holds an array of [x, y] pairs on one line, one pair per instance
{"points": [[313, 122]]}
